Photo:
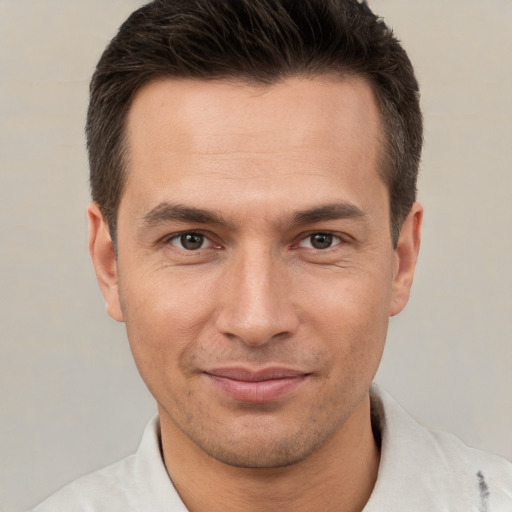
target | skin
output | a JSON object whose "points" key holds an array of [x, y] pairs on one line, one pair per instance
{"points": [[269, 167]]}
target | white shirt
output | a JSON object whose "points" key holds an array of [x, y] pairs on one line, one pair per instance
{"points": [[420, 471]]}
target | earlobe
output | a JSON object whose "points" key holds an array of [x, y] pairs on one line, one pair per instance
{"points": [[406, 255], [105, 265]]}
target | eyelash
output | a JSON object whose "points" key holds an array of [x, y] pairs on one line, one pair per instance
{"points": [[330, 236], [176, 237], [337, 238]]}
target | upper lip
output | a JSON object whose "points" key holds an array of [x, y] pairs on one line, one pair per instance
{"points": [[247, 375]]}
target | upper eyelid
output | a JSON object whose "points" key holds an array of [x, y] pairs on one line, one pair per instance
{"points": [[172, 236], [341, 240], [344, 237], [167, 241]]}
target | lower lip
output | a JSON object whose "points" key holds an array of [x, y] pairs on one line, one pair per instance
{"points": [[257, 391]]}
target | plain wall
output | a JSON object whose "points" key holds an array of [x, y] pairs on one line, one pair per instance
{"points": [[71, 399]]}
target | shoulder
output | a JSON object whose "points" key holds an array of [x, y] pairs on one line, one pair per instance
{"points": [[428, 470], [106, 489], [472, 469], [138, 482]]}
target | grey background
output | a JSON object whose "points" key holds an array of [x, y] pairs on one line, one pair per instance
{"points": [[71, 399]]}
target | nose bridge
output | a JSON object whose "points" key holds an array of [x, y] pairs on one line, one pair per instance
{"points": [[256, 305]]}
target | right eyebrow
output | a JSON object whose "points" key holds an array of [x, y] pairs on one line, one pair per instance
{"points": [[170, 212]]}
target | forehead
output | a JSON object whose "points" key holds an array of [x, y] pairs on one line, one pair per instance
{"points": [[307, 109], [300, 133]]}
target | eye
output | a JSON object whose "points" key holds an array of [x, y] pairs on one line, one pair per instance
{"points": [[320, 241], [191, 241]]}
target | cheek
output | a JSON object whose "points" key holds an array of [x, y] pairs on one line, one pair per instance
{"points": [[164, 316], [165, 299], [355, 298], [351, 311]]}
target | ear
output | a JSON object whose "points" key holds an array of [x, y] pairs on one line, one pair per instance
{"points": [[104, 261], [406, 255]]}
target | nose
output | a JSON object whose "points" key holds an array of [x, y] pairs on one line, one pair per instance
{"points": [[256, 305]]}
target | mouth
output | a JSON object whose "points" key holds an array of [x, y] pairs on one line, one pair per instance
{"points": [[265, 385]]}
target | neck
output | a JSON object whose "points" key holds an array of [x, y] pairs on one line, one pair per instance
{"points": [[339, 476]]}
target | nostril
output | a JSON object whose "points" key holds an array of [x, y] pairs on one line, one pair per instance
{"points": [[257, 330]]}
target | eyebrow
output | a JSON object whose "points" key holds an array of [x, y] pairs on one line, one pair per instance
{"points": [[170, 212], [332, 211]]}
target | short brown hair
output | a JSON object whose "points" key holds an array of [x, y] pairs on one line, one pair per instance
{"points": [[257, 41]]}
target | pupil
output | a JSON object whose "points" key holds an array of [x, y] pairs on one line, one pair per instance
{"points": [[321, 241], [192, 241]]}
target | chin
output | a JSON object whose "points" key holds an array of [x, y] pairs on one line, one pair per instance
{"points": [[263, 444], [267, 455]]}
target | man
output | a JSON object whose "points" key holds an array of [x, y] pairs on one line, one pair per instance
{"points": [[254, 224]]}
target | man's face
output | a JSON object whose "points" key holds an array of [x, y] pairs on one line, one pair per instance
{"points": [[256, 272]]}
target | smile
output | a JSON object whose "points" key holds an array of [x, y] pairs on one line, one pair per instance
{"points": [[256, 386]]}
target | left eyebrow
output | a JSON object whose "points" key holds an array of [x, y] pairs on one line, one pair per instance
{"points": [[332, 211]]}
